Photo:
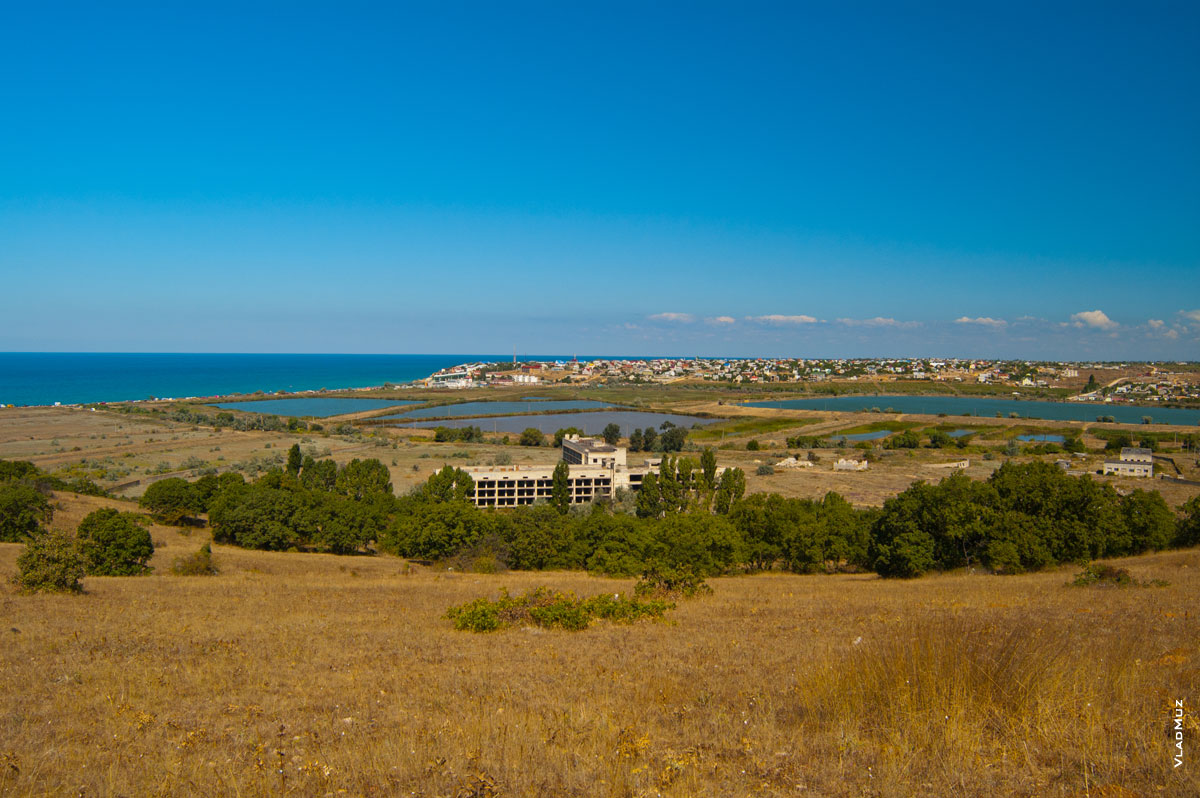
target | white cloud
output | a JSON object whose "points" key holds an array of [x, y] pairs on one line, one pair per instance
{"points": [[878, 321], [985, 321], [1191, 315], [775, 318], [1155, 324], [1172, 334], [721, 320], [1097, 319], [685, 318]]}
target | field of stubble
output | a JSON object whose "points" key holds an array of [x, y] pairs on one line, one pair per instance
{"points": [[297, 674]]}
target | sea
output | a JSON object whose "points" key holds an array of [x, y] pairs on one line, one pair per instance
{"points": [[37, 378]]}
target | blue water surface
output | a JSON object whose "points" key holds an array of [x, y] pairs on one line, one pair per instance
{"points": [[499, 408], [957, 405], [43, 378], [315, 406], [590, 423]]}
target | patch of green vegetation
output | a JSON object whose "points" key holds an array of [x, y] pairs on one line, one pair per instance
{"points": [[552, 609], [1101, 575], [875, 426], [747, 426]]}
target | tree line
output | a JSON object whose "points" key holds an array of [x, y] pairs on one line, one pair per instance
{"points": [[687, 513]]}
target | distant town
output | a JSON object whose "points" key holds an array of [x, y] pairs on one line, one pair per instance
{"points": [[1138, 382]]}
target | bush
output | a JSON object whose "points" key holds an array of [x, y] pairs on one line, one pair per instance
{"points": [[752, 446], [198, 564], [765, 470], [172, 501], [23, 510], [115, 543], [50, 563], [1101, 575], [660, 581], [550, 609]]}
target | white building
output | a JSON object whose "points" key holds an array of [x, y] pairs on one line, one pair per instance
{"points": [[597, 471], [1133, 462]]}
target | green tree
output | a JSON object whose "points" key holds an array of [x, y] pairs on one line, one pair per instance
{"points": [[115, 543], [1148, 520], [362, 479], [532, 436], [708, 468], [939, 439], [1187, 528], [50, 562], [448, 485], [673, 439], [171, 501], [261, 518], [649, 498], [730, 487], [23, 510], [560, 488], [635, 441], [563, 433], [611, 434], [908, 439], [294, 460], [649, 439]]}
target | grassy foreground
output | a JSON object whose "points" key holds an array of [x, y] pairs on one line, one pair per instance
{"points": [[294, 674]]}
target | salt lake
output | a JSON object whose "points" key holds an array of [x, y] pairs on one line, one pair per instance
{"points": [[313, 406], [591, 423], [978, 406]]}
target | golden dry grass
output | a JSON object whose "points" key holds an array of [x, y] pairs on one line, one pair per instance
{"points": [[295, 674]]}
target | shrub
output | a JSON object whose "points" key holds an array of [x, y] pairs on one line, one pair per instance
{"points": [[660, 581], [550, 609], [198, 564], [752, 446], [532, 436], [50, 563], [115, 543], [1102, 575], [765, 470], [172, 501], [22, 512]]}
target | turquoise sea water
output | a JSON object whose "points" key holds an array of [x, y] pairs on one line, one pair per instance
{"points": [[37, 378], [957, 405]]}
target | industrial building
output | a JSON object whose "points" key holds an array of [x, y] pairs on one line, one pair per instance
{"points": [[597, 471], [1133, 462]]}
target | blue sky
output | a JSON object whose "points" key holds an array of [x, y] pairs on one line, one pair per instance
{"points": [[983, 179]]}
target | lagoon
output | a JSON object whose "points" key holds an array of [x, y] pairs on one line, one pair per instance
{"points": [[499, 408], [958, 405], [314, 406], [861, 436], [590, 423]]}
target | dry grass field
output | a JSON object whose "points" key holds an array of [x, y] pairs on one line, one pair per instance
{"points": [[299, 674]]}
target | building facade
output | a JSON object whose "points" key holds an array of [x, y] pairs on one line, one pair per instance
{"points": [[1133, 462], [596, 471]]}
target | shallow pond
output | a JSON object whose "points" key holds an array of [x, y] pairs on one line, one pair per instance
{"points": [[314, 406], [590, 423], [958, 405], [499, 408]]}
